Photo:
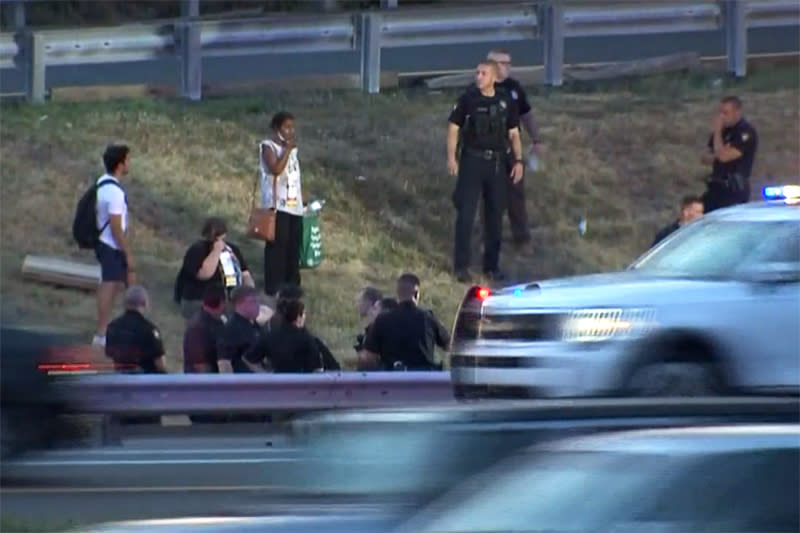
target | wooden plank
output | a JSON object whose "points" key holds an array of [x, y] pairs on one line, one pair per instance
{"points": [[61, 272]]}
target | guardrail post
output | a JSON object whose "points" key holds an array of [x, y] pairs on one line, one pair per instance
{"points": [[14, 19], [36, 68], [736, 36], [191, 60], [369, 35], [551, 20]]}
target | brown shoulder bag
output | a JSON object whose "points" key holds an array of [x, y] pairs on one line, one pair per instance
{"points": [[261, 224]]}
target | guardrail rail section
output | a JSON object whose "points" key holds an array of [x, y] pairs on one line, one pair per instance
{"points": [[191, 38]]}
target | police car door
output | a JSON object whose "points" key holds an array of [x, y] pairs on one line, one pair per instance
{"points": [[774, 316]]}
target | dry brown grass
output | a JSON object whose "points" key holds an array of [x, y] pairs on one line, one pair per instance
{"points": [[621, 159]]}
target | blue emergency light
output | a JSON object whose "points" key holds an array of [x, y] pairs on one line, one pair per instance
{"points": [[782, 192]]}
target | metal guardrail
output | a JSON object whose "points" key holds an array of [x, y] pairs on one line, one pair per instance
{"points": [[239, 393], [552, 21]]}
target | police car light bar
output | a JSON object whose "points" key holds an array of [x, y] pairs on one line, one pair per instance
{"points": [[782, 192]]}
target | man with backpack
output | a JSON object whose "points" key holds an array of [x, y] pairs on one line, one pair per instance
{"points": [[101, 222]]}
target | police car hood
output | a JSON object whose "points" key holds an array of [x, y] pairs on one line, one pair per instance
{"points": [[617, 288]]}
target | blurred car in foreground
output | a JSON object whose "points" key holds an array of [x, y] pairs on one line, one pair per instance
{"points": [[712, 309], [725, 479], [721, 479], [30, 409]]}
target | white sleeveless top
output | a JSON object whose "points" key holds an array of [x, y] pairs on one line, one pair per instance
{"points": [[288, 190]]}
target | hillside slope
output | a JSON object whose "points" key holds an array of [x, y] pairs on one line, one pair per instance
{"points": [[621, 159]]}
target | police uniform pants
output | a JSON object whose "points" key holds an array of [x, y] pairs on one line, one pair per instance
{"points": [[478, 176], [282, 256], [517, 213]]}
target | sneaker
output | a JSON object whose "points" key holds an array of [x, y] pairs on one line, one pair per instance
{"points": [[463, 276]]}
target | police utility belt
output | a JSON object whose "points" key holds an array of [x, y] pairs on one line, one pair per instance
{"points": [[733, 181], [486, 154]]}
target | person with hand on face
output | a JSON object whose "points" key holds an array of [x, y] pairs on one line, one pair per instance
{"points": [[731, 151], [281, 190], [210, 262]]}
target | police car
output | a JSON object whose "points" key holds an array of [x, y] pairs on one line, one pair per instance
{"points": [[712, 309]]}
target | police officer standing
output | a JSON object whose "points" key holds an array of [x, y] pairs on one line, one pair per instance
{"points": [[732, 150], [517, 213], [489, 122]]}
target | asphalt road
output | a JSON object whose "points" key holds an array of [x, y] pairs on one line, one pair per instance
{"points": [[145, 478], [409, 59]]}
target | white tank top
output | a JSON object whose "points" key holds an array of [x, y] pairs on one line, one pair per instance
{"points": [[288, 191]]}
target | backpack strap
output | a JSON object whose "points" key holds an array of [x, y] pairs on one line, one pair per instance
{"points": [[97, 187]]}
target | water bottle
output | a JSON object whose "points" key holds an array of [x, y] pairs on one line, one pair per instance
{"points": [[533, 162]]}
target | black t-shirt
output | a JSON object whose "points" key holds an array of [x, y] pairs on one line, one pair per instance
{"points": [[329, 362], [665, 232], [407, 334], [744, 138], [238, 336], [472, 113], [517, 94], [131, 339], [192, 288], [288, 349], [200, 341]]}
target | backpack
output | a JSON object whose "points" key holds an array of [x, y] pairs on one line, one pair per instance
{"points": [[84, 225]]}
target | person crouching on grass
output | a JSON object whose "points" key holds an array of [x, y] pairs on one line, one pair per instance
{"points": [[281, 189]]}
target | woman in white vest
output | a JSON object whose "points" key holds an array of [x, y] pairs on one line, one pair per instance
{"points": [[281, 190]]}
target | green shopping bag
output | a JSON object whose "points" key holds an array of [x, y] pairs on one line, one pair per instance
{"points": [[311, 243]]}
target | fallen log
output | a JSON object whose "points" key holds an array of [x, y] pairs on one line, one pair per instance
{"points": [[61, 272]]}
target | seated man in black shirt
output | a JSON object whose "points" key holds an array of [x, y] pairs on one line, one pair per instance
{"points": [[691, 209], [210, 262], [289, 293], [405, 338], [287, 347], [132, 341], [241, 332]]}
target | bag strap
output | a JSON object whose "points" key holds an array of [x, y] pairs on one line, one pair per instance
{"points": [[263, 146], [96, 188]]}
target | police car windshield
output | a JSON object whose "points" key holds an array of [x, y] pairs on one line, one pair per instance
{"points": [[718, 248]]}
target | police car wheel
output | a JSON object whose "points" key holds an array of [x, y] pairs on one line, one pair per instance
{"points": [[673, 379]]}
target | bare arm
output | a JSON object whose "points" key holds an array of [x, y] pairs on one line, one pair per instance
{"points": [[275, 164], [247, 279], [115, 223], [159, 364], [367, 360], [452, 140], [727, 153], [529, 123], [516, 143], [210, 264], [254, 367]]}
